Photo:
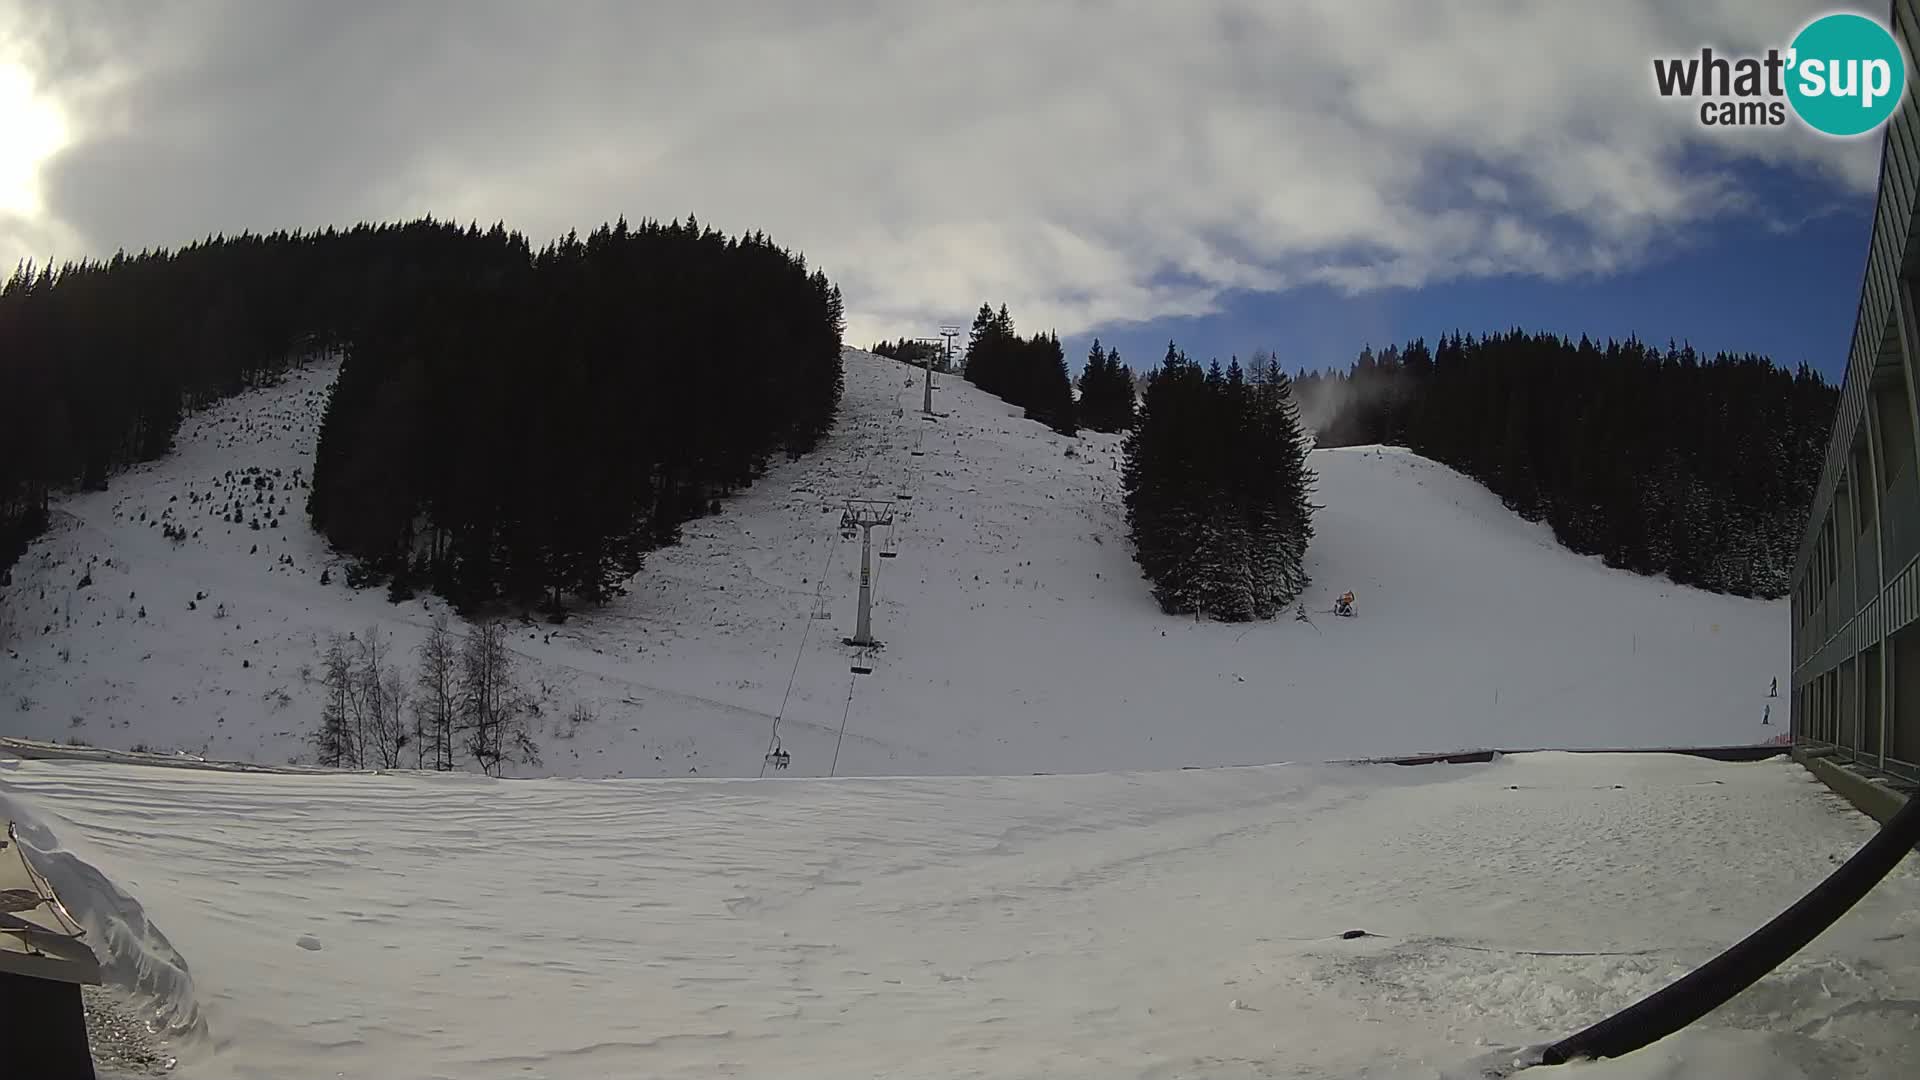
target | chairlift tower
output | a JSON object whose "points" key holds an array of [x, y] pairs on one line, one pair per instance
{"points": [[949, 332], [926, 401], [864, 515]]}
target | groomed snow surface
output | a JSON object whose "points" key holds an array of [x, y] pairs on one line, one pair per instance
{"points": [[1019, 635], [1157, 924]]}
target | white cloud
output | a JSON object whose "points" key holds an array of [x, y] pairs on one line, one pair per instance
{"points": [[1086, 162]]}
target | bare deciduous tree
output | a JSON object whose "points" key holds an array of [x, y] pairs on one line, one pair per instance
{"points": [[334, 743], [374, 712], [438, 704], [363, 718], [400, 736], [492, 710], [384, 734]]}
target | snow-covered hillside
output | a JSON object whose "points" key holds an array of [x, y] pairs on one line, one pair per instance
{"points": [[1019, 636], [1167, 924]]}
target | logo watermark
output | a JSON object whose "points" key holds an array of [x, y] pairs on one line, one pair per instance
{"points": [[1843, 75]]}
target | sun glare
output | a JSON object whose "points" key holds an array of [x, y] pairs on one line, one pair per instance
{"points": [[31, 130]]}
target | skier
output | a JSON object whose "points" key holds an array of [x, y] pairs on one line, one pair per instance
{"points": [[1773, 688], [1766, 718], [1344, 605]]}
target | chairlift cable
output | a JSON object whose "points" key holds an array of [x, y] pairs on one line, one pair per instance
{"points": [[835, 767], [819, 587]]}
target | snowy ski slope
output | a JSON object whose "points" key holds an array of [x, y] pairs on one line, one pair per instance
{"points": [[1182, 923], [1018, 634], [1170, 923]]}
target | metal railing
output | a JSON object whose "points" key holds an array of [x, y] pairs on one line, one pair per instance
{"points": [[1890, 767], [1900, 510], [1866, 568]]}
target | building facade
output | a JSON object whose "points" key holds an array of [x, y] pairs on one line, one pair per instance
{"points": [[1856, 581]]}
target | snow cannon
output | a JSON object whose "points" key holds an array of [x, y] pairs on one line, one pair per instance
{"points": [[43, 964]]}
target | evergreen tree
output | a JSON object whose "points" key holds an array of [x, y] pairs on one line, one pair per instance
{"points": [[1028, 372], [1161, 483], [1089, 384], [1106, 391], [1216, 487], [1047, 392], [1284, 514], [917, 353], [1124, 392]]}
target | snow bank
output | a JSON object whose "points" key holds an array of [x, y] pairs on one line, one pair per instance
{"points": [[1095, 925]]}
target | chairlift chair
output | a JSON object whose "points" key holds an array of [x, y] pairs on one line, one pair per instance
{"points": [[778, 756]]}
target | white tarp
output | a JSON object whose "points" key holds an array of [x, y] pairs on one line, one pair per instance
{"points": [[37, 936]]}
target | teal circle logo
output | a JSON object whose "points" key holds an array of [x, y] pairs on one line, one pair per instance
{"points": [[1845, 74]]}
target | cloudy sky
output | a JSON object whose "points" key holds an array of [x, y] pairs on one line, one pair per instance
{"points": [[1302, 175]]}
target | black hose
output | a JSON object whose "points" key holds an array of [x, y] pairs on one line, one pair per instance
{"points": [[1708, 987]]}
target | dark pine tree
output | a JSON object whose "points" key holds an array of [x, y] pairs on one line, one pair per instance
{"points": [[1028, 372], [1216, 489], [1047, 388], [1106, 391]]}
